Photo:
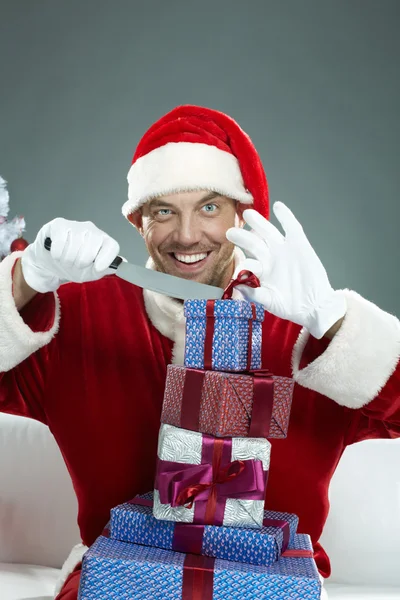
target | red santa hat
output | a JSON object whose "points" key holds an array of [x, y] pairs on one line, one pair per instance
{"points": [[194, 148]]}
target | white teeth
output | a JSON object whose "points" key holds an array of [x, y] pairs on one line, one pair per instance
{"points": [[190, 258]]}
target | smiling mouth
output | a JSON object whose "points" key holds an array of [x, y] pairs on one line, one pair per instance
{"points": [[189, 262], [190, 259]]}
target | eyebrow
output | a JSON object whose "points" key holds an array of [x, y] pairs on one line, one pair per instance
{"points": [[209, 196], [157, 202]]}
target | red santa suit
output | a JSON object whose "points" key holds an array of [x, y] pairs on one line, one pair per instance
{"points": [[96, 377], [90, 361]]}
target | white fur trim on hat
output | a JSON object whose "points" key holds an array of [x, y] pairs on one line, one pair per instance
{"points": [[359, 359], [183, 167], [17, 340]]}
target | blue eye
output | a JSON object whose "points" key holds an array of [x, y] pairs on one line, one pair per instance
{"points": [[164, 212], [210, 208]]}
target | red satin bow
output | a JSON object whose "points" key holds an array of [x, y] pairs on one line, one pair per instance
{"points": [[243, 278]]}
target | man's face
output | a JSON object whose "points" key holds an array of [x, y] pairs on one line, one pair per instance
{"points": [[185, 235]]}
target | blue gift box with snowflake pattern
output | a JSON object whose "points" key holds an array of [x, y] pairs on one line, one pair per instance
{"points": [[119, 570], [135, 523], [236, 327]]}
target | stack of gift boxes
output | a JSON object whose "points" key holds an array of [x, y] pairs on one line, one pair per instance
{"points": [[203, 533]]}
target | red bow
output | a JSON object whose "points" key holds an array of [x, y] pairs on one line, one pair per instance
{"points": [[243, 278]]}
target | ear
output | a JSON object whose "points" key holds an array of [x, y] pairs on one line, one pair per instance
{"points": [[136, 218], [240, 208]]}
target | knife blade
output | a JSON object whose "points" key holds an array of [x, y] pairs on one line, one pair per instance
{"points": [[176, 287]]}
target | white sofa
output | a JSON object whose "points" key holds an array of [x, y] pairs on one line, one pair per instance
{"points": [[38, 517]]}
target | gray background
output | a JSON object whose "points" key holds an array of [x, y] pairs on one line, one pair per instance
{"points": [[314, 82]]}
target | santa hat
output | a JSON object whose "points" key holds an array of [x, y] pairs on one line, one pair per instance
{"points": [[194, 148]]}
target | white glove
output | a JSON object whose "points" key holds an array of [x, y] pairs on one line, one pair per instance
{"points": [[294, 283], [79, 252]]}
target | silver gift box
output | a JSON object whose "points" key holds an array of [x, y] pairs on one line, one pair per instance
{"points": [[184, 446]]}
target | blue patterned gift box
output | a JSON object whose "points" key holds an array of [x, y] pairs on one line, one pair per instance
{"points": [[135, 523], [230, 339], [119, 570]]}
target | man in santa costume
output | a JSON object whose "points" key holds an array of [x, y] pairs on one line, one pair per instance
{"points": [[89, 358]]}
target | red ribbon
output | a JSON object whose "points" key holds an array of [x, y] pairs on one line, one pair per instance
{"points": [[243, 278], [284, 525], [191, 399], [198, 577], [263, 400], [188, 538], [298, 554], [106, 531], [212, 482]]}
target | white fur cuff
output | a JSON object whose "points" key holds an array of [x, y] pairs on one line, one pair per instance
{"points": [[17, 340], [74, 558], [359, 359]]}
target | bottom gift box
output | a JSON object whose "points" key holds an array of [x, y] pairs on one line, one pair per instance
{"points": [[112, 569]]}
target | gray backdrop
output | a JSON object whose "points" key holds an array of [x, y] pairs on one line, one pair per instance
{"points": [[314, 82]]}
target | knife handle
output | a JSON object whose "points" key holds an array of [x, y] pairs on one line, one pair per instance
{"points": [[114, 265]]}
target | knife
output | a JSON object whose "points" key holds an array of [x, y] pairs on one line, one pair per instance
{"points": [[176, 287]]}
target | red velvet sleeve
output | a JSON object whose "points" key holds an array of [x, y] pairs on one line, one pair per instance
{"points": [[380, 418], [22, 388], [313, 349]]}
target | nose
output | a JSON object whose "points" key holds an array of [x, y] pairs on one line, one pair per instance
{"points": [[188, 231]]}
